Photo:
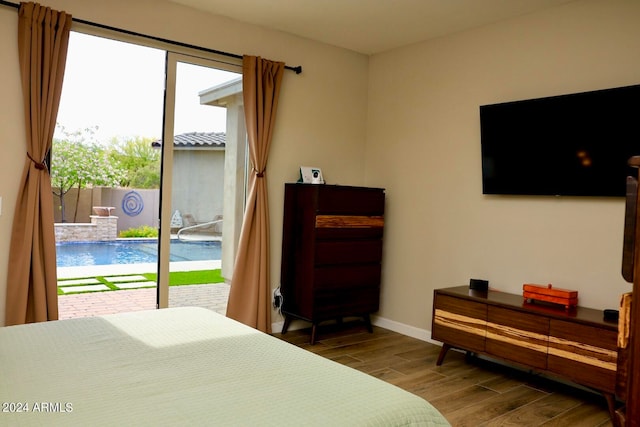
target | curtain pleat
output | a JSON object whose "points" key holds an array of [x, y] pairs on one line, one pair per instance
{"points": [[250, 293], [43, 38]]}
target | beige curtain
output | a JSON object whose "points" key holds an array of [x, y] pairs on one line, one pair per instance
{"points": [[43, 38], [250, 294]]}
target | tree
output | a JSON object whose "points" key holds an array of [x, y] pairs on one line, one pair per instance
{"points": [[78, 161], [139, 161]]}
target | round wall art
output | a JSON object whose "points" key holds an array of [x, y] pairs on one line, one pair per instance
{"points": [[132, 203]]}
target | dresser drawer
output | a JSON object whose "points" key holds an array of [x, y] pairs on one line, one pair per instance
{"points": [[517, 336], [347, 276], [331, 304], [350, 201], [584, 354], [348, 233], [459, 322], [348, 252]]}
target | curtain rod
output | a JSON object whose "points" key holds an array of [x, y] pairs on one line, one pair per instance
{"points": [[297, 69]]}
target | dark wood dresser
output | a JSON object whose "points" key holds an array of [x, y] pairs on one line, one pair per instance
{"points": [[331, 253], [577, 344]]}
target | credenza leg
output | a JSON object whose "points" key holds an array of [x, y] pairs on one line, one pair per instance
{"points": [[313, 333], [443, 352], [611, 403]]}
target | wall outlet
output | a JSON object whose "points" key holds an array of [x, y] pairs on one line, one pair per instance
{"points": [[277, 299]]}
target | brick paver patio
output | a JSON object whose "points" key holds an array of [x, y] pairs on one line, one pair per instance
{"points": [[213, 297]]}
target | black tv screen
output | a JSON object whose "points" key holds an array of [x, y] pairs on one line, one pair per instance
{"points": [[567, 145]]}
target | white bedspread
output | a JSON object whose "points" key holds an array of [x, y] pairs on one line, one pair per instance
{"points": [[184, 366]]}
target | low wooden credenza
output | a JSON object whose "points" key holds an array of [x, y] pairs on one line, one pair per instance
{"points": [[577, 345]]}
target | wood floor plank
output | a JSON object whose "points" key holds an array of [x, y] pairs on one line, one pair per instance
{"points": [[537, 412], [345, 359], [588, 414], [373, 353], [501, 383], [409, 366], [493, 407], [386, 374], [427, 349], [409, 382], [452, 384], [385, 361], [452, 402]]}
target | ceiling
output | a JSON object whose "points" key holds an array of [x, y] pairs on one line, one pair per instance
{"points": [[370, 26]]}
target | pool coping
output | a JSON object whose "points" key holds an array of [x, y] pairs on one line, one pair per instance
{"points": [[121, 269]]}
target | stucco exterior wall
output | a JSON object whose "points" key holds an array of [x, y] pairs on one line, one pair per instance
{"points": [[198, 183]]}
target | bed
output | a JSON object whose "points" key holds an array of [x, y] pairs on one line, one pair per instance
{"points": [[185, 366]]}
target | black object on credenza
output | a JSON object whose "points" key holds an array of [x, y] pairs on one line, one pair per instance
{"points": [[331, 253]]}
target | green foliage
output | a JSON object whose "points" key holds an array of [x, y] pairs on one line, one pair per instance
{"points": [[77, 160], [139, 160], [142, 231]]}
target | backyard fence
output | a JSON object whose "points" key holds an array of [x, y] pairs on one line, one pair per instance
{"points": [[132, 207]]}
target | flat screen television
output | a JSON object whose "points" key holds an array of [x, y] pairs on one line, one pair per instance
{"points": [[567, 145]]}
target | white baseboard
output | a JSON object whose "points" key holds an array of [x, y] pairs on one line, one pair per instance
{"points": [[276, 327], [401, 328], [392, 325]]}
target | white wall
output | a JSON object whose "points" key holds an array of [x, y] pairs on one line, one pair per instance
{"points": [[11, 133], [321, 115], [423, 146]]}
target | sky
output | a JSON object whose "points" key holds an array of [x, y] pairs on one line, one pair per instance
{"points": [[119, 87]]}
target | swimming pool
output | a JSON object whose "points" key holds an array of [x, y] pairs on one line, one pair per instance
{"points": [[74, 254]]}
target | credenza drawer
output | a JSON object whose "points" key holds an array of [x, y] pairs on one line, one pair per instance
{"points": [[459, 322], [584, 354], [517, 336]]}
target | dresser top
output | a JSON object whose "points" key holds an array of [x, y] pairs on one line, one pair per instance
{"points": [[331, 186], [503, 299]]}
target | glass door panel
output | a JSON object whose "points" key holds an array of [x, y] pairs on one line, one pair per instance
{"points": [[106, 176], [193, 187]]}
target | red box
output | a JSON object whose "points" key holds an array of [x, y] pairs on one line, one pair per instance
{"points": [[548, 293]]}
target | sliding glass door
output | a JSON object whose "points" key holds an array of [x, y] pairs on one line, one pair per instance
{"points": [[169, 132], [195, 167]]}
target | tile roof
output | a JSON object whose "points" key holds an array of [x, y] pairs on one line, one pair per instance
{"points": [[196, 139]]}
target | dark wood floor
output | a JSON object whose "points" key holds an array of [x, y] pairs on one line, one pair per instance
{"points": [[467, 391]]}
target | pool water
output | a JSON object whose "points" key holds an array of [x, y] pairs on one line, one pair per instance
{"points": [[76, 254]]}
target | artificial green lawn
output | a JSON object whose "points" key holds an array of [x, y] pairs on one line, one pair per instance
{"points": [[176, 278]]}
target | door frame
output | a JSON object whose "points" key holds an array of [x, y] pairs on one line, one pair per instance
{"points": [[166, 170]]}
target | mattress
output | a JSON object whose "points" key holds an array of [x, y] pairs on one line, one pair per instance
{"points": [[185, 366]]}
